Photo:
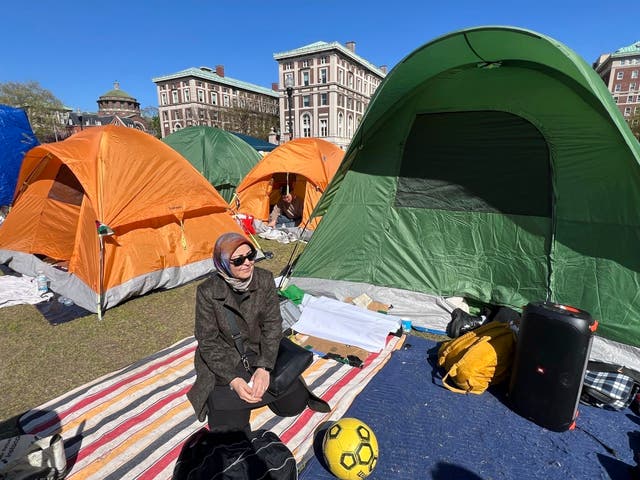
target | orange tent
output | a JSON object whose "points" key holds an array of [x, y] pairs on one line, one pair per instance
{"points": [[111, 213], [306, 164]]}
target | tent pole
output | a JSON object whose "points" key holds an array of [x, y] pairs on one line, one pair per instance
{"points": [[289, 266], [99, 303]]}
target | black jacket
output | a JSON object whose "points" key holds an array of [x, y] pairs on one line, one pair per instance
{"points": [[260, 323]]}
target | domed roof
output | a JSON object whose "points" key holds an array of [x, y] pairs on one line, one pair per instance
{"points": [[116, 92]]}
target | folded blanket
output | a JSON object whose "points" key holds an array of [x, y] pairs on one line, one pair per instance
{"points": [[20, 290]]}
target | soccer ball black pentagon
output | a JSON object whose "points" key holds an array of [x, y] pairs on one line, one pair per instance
{"points": [[350, 449]]}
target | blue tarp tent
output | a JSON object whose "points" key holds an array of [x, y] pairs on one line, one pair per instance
{"points": [[258, 144], [16, 139]]}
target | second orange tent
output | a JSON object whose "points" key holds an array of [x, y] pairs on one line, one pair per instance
{"points": [[305, 164]]}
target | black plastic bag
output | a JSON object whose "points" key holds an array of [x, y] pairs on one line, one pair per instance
{"points": [[235, 455]]}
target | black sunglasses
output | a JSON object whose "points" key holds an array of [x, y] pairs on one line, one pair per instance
{"points": [[251, 256]]}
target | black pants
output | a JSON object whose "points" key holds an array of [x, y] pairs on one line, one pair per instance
{"points": [[227, 411]]}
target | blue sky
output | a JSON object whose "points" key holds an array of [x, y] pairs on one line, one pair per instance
{"points": [[77, 49]]}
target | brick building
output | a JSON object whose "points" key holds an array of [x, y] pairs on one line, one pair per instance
{"points": [[620, 72], [203, 96], [330, 86], [116, 107]]}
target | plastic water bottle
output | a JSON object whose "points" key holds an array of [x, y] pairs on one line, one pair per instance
{"points": [[42, 282], [65, 301]]}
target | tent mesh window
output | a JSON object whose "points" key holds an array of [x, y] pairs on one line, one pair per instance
{"points": [[66, 187], [509, 171]]}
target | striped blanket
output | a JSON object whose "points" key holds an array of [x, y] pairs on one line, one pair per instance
{"points": [[132, 423]]}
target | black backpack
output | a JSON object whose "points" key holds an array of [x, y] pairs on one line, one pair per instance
{"points": [[235, 456]]}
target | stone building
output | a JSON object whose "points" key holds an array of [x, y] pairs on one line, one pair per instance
{"points": [[116, 107], [329, 86], [204, 96]]}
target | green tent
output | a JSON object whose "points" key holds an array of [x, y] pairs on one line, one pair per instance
{"points": [[220, 156], [493, 164]]}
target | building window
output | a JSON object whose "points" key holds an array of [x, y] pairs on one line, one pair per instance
{"points": [[201, 96], [617, 88], [632, 86], [350, 80], [630, 99], [634, 74], [340, 124], [163, 98], [324, 127], [305, 78], [185, 95], [350, 126], [165, 115], [305, 63], [627, 111], [619, 75], [174, 96], [214, 98], [306, 125], [225, 100], [306, 102], [615, 99], [323, 75], [323, 60], [341, 76], [324, 99]]}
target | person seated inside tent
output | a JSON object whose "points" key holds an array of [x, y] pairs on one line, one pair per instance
{"points": [[288, 211]]}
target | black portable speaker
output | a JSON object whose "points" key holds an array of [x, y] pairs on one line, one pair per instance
{"points": [[551, 356]]}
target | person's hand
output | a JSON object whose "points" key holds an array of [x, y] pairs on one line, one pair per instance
{"points": [[260, 380], [244, 391]]}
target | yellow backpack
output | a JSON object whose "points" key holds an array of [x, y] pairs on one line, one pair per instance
{"points": [[477, 359]]}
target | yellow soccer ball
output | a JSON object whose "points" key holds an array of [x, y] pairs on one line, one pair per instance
{"points": [[350, 449]]}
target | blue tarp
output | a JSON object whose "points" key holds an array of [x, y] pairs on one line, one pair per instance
{"points": [[16, 139], [427, 432], [258, 144]]}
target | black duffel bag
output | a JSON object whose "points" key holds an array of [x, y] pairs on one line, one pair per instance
{"points": [[235, 456]]}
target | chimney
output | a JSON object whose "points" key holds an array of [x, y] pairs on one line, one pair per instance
{"points": [[274, 86], [384, 69], [220, 70], [351, 46]]}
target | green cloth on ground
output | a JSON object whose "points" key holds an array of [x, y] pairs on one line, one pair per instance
{"points": [[293, 293]]}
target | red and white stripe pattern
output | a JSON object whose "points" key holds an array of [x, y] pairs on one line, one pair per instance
{"points": [[132, 423]]}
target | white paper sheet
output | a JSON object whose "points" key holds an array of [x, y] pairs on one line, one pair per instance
{"points": [[345, 323]]}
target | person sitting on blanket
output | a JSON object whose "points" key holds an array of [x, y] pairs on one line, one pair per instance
{"points": [[223, 390], [288, 210]]}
